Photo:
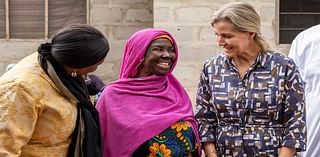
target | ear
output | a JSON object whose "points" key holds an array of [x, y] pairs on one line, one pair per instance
{"points": [[252, 35]]}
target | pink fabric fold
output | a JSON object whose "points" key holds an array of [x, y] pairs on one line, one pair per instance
{"points": [[133, 110]]}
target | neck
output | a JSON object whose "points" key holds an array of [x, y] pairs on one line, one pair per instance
{"points": [[143, 74], [248, 57]]}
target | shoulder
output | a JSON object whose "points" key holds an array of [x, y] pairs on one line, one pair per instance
{"points": [[214, 61], [279, 57], [308, 34], [280, 60], [27, 75], [25, 84]]}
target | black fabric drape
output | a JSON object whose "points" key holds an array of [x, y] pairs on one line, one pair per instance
{"points": [[91, 145]]}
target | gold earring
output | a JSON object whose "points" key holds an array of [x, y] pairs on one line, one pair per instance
{"points": [[74, 74]]}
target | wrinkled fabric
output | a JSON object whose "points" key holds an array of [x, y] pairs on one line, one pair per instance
{"points": [[86, 137], [35, 118], [133, 110], [305, 53]]}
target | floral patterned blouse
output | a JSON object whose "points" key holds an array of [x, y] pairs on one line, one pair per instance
{"points": [[176, 141], [256, 115]]}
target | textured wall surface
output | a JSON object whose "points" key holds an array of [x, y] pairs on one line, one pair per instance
{"points": [[187, 20]]}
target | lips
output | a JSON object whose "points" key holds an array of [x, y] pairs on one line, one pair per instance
{"points": [[164, 64], [226, 49]]}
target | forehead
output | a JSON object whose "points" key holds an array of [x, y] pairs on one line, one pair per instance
{"points": [[161, 42], [223, 26]]}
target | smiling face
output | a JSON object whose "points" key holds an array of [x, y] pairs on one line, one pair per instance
{"points": [[234, 43], [158, 59]]}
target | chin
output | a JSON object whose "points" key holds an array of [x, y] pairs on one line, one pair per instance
{"points": [[228, 54], [162, 73]]}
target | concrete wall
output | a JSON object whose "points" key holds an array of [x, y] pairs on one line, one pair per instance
{"points": [[187, 20], [117, 19]]}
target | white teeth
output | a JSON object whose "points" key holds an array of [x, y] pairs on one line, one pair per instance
{"points": [[166, 64]]}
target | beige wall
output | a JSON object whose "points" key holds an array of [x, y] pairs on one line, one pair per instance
{"points": [[119, 19], [187, 20]]}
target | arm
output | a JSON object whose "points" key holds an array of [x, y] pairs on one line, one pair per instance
{"points": [[293, 51], [294, 54], [17, 119], [205, 115], [294, 117]]}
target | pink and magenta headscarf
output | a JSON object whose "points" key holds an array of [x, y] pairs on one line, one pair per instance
{"points": [[133, 110]]}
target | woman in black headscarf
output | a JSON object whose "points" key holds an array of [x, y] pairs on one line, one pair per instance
{"points": [[44, 102]]}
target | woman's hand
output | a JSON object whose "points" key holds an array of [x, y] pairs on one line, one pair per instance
{"points": [[209, 149], [287, 152], [211, 154]]}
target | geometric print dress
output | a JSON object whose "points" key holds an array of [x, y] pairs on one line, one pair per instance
{"points": [[253, 116]]}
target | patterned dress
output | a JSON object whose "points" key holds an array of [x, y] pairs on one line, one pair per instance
{"points": [[176, 141], [256, 115]]}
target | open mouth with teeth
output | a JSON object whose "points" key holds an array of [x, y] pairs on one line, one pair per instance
{"points": [[164, 65]]}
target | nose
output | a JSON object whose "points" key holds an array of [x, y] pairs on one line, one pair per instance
{"points": [[165, 53], [220, 41]]}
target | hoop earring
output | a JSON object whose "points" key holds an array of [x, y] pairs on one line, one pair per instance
{"points": [[74, 74]]}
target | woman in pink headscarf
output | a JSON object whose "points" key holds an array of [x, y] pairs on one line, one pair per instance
{"points": [[147, 112]]}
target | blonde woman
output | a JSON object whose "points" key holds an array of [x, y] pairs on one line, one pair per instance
{"points": [[250, 100]]}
